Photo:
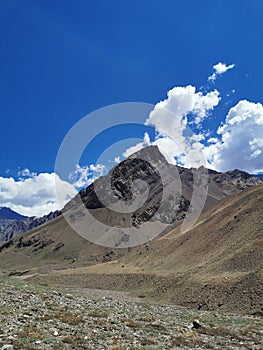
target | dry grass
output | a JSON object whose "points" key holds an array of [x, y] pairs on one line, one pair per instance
{"points": [[71, 318], [118, 347], [131, 323], [148, 341], [98, 313], [156, 326], [220, 331], [169, 328], [30, 332], [189, 340], [74, 340]]}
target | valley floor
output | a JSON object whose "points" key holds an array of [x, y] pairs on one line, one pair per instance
{"points": [[38, 317]]}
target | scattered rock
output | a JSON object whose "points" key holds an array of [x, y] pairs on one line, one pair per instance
{"points": [[38, 317], [7, 347], [196, 324]]}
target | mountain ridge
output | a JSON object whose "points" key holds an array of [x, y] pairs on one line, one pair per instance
{"points": [[142, 165], [9, 214], [12, 223], [12, 227], [211, 264]]}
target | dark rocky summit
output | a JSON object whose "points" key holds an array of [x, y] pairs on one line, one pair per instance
{"points": [[166, 190], [143, 187]]}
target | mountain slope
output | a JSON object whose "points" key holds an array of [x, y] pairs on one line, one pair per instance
{"points": [[216, 265], [170, 192], [218, 238]]}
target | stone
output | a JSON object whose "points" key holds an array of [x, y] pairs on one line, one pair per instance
{"points": [[7, 347], [196, 324]]}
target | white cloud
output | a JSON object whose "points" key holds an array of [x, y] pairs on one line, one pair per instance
{"points": [[204, 104], [25, 173], [97, 169], [220, 68], [241, 139], [83, 176], [212, 140], [80, 176], [117, 160], [35, 195], [170, 119], [180, 102], [146, 142], [169, 148]]}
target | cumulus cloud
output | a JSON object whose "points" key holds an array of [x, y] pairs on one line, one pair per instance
{"points": [[180, 102], [238, 142], [184, 109], [241, 139], [171, 117], [34, 195], [220, 68]]}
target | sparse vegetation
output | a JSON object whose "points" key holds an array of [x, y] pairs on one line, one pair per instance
{"points": [[35, 317]]}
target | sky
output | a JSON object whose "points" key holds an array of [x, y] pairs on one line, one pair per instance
{"points": [[197, 63]]}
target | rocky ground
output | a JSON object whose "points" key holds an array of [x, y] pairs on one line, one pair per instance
{"points": [[37, 317]]}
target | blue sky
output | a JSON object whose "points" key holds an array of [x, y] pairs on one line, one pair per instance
{"points": [[61, 60]]}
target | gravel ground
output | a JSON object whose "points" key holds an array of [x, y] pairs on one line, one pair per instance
{"points": [[37, 317]]}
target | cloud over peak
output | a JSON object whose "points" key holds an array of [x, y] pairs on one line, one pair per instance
{"points": [[171, 118], [180, 135]]}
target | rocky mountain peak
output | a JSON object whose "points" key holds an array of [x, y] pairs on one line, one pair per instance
{"points": [[139, 181], [152, 153]]}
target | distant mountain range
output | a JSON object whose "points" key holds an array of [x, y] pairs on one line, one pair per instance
{"points": [[12, 223]]}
